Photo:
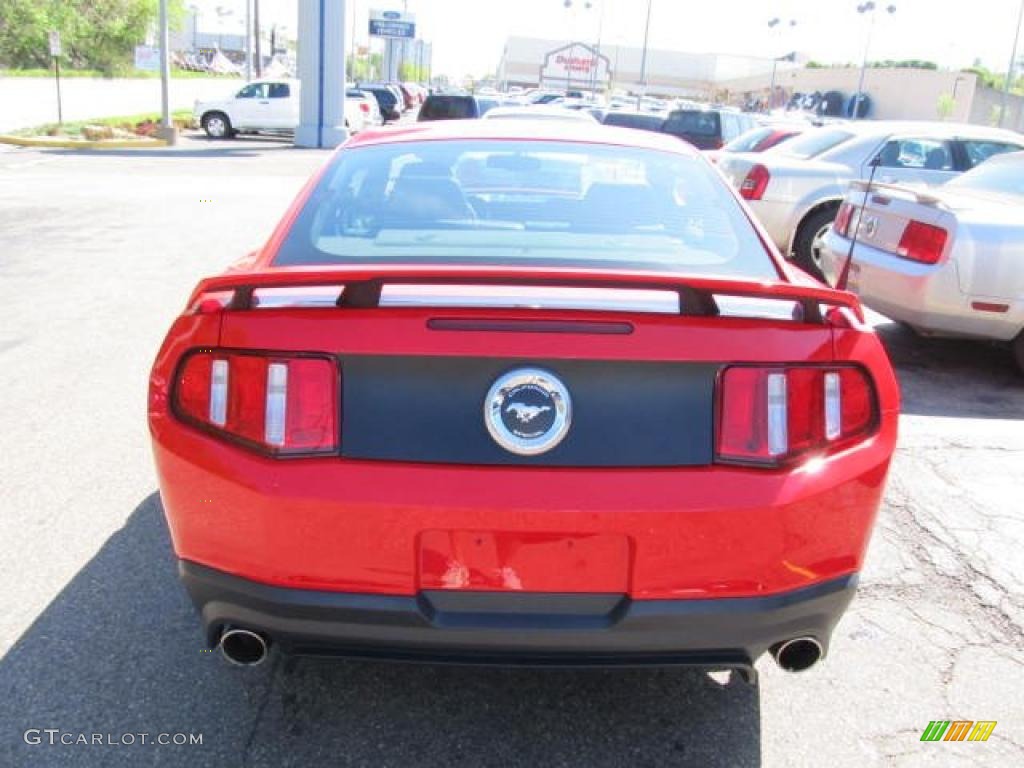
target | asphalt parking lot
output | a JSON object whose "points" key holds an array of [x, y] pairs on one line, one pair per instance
{"points": [[98, 252]]}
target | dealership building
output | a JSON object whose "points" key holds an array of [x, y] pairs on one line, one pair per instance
{"points": [[893, 93], [531, 62]]}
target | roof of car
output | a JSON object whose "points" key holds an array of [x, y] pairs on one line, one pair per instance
{"points": [[924, 128], [582, 132]]}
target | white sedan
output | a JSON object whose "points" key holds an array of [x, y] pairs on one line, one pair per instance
{"points": [[947, 262]]}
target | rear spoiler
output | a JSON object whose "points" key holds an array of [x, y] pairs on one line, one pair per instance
{"points": [[923, 197], [363, 285]]}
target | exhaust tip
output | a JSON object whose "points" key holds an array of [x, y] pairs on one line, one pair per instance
{"points": [[798, 654], [243, 647]]}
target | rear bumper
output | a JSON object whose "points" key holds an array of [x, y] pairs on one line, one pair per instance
{"points": [[925, 296], [517, 628]]}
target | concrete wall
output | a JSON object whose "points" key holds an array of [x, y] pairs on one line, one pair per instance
{"points": [[896, 94], [987, 104]]}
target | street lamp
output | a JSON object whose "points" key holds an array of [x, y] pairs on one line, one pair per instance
{"points": [[869, 8], [772, 24], [643, 58]]}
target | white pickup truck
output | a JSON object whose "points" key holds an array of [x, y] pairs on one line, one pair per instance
{"points": [[265, 105]]}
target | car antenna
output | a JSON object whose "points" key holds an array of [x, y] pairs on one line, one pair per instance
{"points": [[844, 274]]}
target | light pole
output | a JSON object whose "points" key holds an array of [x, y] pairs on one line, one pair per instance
{"points": [[772, 24], [643, 58], [869, 8], [1013, 61]]}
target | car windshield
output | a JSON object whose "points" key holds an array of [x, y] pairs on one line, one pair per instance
{"points": [[813, 143], [1003, 177], [546, 203], [746, 142]]}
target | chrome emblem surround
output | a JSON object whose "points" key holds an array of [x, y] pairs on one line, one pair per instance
{"points": [[870, 226], [528, 411]]}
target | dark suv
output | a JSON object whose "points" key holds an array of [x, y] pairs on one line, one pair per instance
{"points": [[390, 109], [707, 128], [454, 106], [643, 121]]}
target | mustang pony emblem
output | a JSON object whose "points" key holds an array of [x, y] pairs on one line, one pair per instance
{"points": [[527, 413]]}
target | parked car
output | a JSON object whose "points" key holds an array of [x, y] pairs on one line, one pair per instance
{"points": [[643, 121], [764, 137], [262, 105], [453, 106], [408, 97], [594, 421], [948, 261], [390, 107], [707, 128], [368, 107], [796, 187], [270, 106], [541, 112]]}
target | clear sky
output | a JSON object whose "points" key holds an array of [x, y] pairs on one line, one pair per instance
{"points": [[468, 35]]}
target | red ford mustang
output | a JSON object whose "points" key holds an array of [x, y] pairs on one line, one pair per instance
{"points": [[495, 394]]}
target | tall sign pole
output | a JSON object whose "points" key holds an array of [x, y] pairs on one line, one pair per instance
{"points": [[1013, 61], [55, 53], [166, 131]]}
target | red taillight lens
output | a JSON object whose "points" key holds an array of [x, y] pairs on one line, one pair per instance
{"points": [[775, 415], [276, 403], [755, 183], [192, 393], [842, 223], [922, 242], [364, 107]]}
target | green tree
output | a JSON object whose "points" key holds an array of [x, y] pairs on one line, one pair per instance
{"points": [[95, 34], [945, 106]]}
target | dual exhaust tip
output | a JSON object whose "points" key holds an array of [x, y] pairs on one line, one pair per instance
{"points": [[249, 649]]}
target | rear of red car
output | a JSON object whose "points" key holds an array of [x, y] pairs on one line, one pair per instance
{"points": [[510, 462]]}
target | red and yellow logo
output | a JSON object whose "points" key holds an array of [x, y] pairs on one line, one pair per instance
{"points": [[958, 730]]}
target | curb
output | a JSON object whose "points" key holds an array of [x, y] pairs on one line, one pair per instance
{"points": [[41, 141]]}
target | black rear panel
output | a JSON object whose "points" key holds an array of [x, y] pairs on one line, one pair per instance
{"points": [[431, 409]]}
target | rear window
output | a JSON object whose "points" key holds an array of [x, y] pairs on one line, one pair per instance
{"points": [[448, 108], [748, 141], [634, 120], [535, 202], [1004, 177], [813, 143], [693, 123]]}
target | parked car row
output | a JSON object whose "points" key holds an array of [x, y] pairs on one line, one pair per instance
{"points": [[796, 188], [272, 105], [704, 128]]}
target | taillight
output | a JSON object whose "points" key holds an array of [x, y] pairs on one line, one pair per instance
{"points": [[775, 415], [755, 183], [842, 223], [922, 242], [364, 107], [278, 404]]}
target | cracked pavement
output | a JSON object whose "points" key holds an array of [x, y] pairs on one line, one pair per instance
{"points": [[99, 252]]}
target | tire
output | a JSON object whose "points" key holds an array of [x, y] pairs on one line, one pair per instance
{"points": [[217, 125], [806, 247], [1018, 351]]}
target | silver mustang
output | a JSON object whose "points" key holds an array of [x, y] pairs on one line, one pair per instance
{"points": [[948, 262], [795, 188]]}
